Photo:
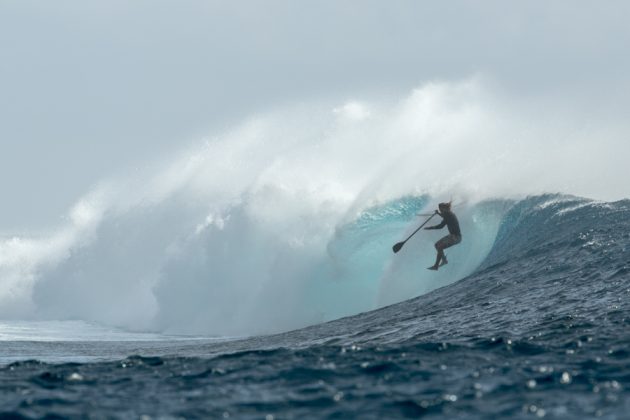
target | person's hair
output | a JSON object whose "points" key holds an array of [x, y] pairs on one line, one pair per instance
{"points": [[445, 205]]}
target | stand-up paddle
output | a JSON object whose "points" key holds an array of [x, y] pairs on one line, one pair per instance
{"points": [[399, 245]]}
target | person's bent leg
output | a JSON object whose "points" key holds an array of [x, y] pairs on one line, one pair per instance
{"points": [[440, 246], [438, 258]]}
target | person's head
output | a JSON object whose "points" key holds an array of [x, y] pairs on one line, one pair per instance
{"points": [[444, 206]]}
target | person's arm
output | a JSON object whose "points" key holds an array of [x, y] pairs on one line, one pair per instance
{"points": [[440, 226]]}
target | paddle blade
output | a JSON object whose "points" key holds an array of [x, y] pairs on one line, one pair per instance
{"points": [[397, 247]]}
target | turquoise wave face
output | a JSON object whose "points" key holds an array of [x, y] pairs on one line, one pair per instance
{"points": [[362, 257]]}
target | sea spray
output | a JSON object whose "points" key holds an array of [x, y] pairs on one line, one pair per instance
{"points": [[255, 229]]}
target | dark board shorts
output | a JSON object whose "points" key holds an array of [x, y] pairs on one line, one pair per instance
{"points": [[448, 241]]}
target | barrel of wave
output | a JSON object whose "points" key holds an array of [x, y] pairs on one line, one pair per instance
{"points": [[362, 254]]}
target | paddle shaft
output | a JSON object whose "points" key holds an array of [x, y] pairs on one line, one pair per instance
{"points": [[400, 244], [421, 226]]}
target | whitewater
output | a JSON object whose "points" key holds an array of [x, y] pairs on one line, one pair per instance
{"points": [[254, 270]]}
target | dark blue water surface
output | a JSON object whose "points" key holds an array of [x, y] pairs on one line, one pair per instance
{"points": [[540, 329]]}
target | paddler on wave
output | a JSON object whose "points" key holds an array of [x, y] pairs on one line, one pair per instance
{"points": [[453, 238]]}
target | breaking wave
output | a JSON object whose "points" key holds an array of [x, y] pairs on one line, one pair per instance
{"points": [[288, 220]]}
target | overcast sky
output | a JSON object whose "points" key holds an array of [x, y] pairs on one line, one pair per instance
{"points": [[88, 88]]}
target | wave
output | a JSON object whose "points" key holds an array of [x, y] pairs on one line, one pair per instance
{"points": [[289, 219], [552, 282], [200, 289], [227, 278]]}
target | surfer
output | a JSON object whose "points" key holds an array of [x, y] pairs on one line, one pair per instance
{"points": [[453, 238]]}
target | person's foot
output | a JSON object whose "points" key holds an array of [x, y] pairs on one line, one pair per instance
{"points": [[433, 267]]}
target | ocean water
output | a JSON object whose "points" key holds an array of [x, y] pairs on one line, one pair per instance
{"points": [[529, 320]]}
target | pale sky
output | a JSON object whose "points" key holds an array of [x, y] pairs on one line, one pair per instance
{"points": [[88, 88]]}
